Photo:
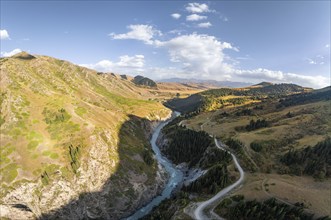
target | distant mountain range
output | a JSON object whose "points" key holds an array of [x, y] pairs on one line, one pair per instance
{"points": [[209, 83]]}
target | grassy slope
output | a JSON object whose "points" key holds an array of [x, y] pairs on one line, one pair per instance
{"points": [[309, 124], [49, 104], [214, 99]]}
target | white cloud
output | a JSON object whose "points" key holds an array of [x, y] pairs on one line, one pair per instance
{"points": [[164, 73], [318, 59], [126, 64], [309, 81], [327, 45], [137, 61], [199, 54], [141, 32], [246, 57], [261, 74], [205, 25], [227, 45], [176, 15], [4, 35], [103, 65], [197, 8], [11, 53], [311, 61], [195, 17], [176, 31]]}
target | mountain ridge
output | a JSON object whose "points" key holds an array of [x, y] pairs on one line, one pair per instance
{"points": [[68, 133], [215, 98], [213, 83]]}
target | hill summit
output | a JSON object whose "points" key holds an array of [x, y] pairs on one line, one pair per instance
{"points": [[24, 56], [144, 81], [263, 84]]}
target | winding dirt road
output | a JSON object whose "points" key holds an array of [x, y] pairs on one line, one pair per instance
{"points": [[198, 213]]}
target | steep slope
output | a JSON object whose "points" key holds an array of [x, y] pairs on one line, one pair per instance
{"points": [[74, 143], [188, 104]]}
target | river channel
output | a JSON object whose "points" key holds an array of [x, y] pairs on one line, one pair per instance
{"points": [[175, 175]]}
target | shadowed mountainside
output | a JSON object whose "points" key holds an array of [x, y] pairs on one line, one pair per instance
{"points": [[129, 181]]}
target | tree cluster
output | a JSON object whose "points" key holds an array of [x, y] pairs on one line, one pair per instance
{"points": [[237, 101], [257, 147], [215, 156], [148, 157], [235, 145], [254, 125], [44, 178], [314, 161], [211, 103], [185, 145], [74, 153], [168, 207], [55, 116], [273, 90], [268, 210], [299, 99], [243, 112], [219, 92], [215, 179]]}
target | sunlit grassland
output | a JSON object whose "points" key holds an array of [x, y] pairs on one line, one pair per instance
{"points": [[49, 105]]}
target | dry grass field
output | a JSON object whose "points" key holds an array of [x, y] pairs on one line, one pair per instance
{"points": [[314, 194], [309, 125]]}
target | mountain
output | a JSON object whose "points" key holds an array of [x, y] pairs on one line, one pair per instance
{"points": [[263, 84], [143, 81], [74, 138], [216, 98], [208, 83]]}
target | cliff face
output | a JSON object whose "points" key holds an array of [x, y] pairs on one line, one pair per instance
{"points": [[74, 143]]}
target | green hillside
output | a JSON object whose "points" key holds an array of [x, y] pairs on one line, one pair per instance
{"points": [[66, 130], [213, 99]]}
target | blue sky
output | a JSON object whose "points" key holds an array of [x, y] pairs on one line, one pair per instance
{"points": [[248, 41]]}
